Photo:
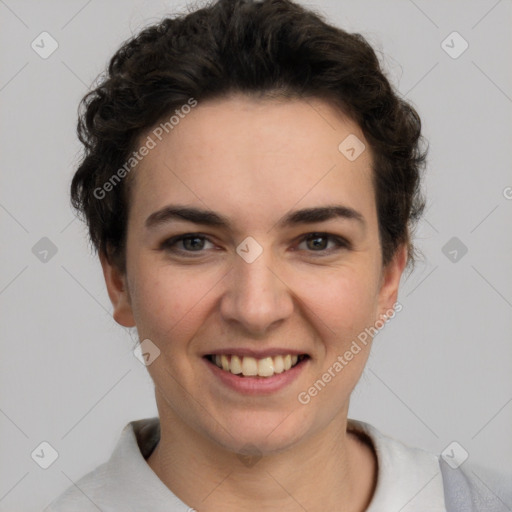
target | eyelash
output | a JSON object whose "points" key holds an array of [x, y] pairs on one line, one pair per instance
{"points": [[169, 244]]}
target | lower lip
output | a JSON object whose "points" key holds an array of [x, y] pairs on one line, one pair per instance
{"points": [[257, 385]]}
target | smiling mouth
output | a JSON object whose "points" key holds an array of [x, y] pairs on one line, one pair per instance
{"points": [[247, 366]]}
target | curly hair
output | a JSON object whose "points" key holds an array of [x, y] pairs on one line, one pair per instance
{"points": [[269, 48]]}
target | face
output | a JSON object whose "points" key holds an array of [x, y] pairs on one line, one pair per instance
{"points": [[270, 272]]}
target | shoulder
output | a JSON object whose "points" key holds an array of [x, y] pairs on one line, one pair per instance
{"points": [[423, 479], [84, 495], [114, 484], [473, 488]]}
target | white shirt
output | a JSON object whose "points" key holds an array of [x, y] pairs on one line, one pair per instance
{"points": [[409, 479]]}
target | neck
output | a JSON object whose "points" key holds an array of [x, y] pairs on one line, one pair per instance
{"points": [[331, 470]]}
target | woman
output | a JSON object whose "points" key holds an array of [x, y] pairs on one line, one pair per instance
{"points": [[250, 181]]}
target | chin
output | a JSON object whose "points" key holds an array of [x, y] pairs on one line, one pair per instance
{"points": [[269, 432]]}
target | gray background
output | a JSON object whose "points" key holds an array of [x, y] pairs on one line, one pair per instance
{"points": [[440, 372]]}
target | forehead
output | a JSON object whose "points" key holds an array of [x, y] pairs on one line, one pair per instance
{"points": [[255, 157]]}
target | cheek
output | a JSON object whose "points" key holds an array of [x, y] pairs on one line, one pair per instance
{"points": [[344, 300], [167, 300], [343, 309]]}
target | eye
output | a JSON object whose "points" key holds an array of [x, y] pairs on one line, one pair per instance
{"points": [[188, 243], [318, 242]]}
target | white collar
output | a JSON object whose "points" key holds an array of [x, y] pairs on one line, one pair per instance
{"points": [[409, 479]]}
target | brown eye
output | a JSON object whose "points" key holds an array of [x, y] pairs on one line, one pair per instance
{"points": [[185, 244], [193, 243], [318, 242]]}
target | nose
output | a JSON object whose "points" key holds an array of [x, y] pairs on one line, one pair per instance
{"points": [[256, 299]]}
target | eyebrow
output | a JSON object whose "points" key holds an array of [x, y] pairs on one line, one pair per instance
{"points": [[211, 218]]}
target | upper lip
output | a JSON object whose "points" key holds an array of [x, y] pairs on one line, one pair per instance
{"points": [[257, 354]]}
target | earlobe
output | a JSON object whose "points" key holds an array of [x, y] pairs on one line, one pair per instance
{"points": [[118, 292], [390, 281]]}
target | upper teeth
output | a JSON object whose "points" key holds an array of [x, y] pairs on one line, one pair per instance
{"points": [[250, 366]]}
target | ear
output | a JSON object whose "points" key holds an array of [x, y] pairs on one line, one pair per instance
{"points": [[390, 281], [118, 292]]}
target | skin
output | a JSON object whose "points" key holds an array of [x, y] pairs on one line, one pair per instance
{"points": [[254, 161]]}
